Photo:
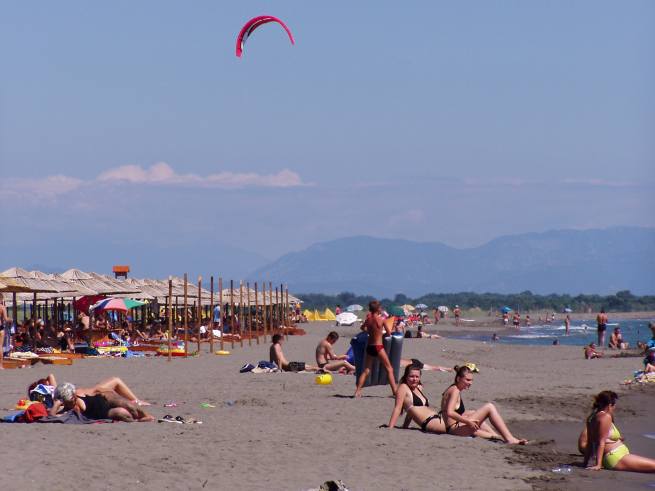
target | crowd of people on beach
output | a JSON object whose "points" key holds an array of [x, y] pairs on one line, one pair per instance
{"points": [[600, 442]]}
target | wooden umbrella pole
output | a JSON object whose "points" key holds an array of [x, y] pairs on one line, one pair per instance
{"points": [[249, 314], [220, 310], [14, 310], [256, 312], [170, 315], [211, 314], [241, 316], [264, 309], [286, 296], [199, 310], [271, 320], [232, 311], [276, 310], [186, 315]]}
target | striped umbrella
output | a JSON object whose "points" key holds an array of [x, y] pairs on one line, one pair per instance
{"points": [[119, 304]]}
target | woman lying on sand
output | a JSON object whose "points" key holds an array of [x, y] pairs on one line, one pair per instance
{"points": [[601, 442], [102, 405], [460, 422], [113, 384], [411, 399]]}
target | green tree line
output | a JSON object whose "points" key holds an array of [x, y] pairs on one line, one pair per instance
{"points": [[623, 301]]}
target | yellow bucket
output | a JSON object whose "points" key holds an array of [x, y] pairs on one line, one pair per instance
{"points": [[324, 379]]}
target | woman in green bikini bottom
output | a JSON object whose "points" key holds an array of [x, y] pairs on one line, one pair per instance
{"points": [[602, 444]]}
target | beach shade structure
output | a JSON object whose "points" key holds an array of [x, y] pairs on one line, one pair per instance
{"points": [[23, 278], [442, 308], [397, 311], [116, 304], [567, 310], [7, 285], [506, 309], [83, 303], [421, 306], [354, 308], [87, 280], [328, 315], [408, 308], [308, 314]]}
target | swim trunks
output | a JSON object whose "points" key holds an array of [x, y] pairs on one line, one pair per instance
{"points": [[602, 327], [374, 349]]}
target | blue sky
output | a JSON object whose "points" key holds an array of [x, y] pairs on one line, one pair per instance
{"points": [[131, 126]]}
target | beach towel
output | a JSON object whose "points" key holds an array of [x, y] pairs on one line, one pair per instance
{"points": [[34, 413], [72, 418], [12, 417]]}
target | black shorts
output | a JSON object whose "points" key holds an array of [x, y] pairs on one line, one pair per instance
{"points": [[602, 327]]}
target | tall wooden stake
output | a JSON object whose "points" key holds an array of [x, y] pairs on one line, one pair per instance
{"points": [[186, 316], [232, 311], [264, 321], [170, 315], [211, 314], [256, 312], [220, 310], [199, 310]]}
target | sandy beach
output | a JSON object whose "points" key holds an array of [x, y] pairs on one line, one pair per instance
{"points": [[284, 432]]}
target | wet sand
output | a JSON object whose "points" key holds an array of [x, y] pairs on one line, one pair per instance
{"points": [[281, 431]]}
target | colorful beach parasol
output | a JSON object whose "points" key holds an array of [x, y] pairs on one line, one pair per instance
{"points": [[397, 311], [119, 304], [421, 306], [354, 308]]}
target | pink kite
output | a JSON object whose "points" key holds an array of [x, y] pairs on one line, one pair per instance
{"points": [[253, 24]]}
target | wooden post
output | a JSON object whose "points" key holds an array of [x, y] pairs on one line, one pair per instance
{"points": [[256, 311], [232, 311], [288, 308], [170, 315], [199, 310], [247, 313], [14, 310], [242, 320], [34, 306], [211, 314], [271, 320], [264, 309], [276, 312], [186, 316], [221, 310]]}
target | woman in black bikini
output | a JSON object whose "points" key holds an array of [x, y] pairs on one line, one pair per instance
{"points": [[460, 422], [411, 399], [102, 405]]}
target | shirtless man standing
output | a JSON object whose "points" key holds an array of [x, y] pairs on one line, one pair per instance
{"points": [[375, 327], [601, 321], [327, 360]]}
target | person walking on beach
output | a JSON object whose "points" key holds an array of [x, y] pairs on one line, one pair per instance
{"points": [[601, 322], [375, 327], [457, 313], [567, 323]]}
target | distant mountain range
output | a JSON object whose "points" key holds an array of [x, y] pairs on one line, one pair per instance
{"points": [[560, 261]]}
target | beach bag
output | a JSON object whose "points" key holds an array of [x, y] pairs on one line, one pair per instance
{"points": [[297, 366]]}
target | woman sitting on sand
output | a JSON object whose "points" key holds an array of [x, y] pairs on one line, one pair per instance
{"points": [[460, 422], [103, 405], [411, 399], [602, 444]]}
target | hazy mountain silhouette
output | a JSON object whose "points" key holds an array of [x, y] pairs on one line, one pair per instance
{"points": [[560, 261]]}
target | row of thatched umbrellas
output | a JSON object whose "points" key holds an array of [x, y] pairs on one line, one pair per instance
{"points": [[25, 285]]}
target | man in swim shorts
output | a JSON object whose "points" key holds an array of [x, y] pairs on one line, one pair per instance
{"points": [[376, 327], [601, 321], [326, 358]]}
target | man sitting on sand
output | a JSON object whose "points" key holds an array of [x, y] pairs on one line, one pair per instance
{"points": [[616, 340], [590, 352], [326, 358], [276, 355]]}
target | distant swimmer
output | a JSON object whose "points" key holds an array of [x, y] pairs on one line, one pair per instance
{"points": [[601, 323], [376, 327], [527, 320]]}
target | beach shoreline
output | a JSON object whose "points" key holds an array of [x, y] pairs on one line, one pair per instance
{"points": [[282, 431]]}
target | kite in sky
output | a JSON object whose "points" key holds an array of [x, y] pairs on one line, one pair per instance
{"points": [[253, 24]]}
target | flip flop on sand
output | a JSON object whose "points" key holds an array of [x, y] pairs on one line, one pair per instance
{"points": [[169, 419]]}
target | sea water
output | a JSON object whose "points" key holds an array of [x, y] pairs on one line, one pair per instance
{"points": [[581, 333]]}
